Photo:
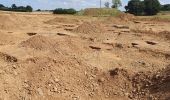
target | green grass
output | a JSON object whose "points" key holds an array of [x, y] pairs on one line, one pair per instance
{"points": [[99, 12], [165, 15]]}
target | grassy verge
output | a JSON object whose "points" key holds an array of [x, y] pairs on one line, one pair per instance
{"points": [[99, 12]]}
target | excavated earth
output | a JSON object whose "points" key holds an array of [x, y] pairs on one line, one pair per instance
{"points": [[63, 57]]}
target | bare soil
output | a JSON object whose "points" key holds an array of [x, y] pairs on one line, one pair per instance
{"points": [[62, 57]]}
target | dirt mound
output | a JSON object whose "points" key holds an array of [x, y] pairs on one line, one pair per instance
{"points": [[160, 86], [7, 22], [39, 42], [143, 84], [89, 28], [126, 16], [58, 20]]}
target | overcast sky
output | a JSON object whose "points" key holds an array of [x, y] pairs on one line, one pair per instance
{"points": [[52, 4]]}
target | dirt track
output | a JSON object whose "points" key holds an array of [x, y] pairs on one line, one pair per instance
{"points": [[57, 57]]}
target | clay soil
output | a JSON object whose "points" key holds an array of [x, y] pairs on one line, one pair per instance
{"points": [[64, 57]]}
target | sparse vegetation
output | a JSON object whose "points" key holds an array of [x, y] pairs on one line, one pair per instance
{"points": [[99, 12]]}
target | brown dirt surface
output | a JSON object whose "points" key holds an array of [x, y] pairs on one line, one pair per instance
{"points": [[89, 28], [126, 16], [39, 42], [58, 20], [49, 57]]}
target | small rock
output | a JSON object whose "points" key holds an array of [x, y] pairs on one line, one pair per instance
{"points": [[1, 71], [101, 79], [55, 89], [40, 92], [126, 94], [56, 80], [14, 66], [15, 73]]}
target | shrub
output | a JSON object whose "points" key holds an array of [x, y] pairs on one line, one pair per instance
{"points": [[165, 7], [152, 7], [143, 7], [135, 7], [64, 11]]}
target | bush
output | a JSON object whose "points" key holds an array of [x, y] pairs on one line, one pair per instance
{"points": [[146, 7], [152, 7], [135, 7], [64, 11], [165, 7], [38, 10]]}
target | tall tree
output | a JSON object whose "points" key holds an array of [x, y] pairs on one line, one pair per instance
{"points": [[152, 7], [116, 3], [1, 6], [107, 4], [165, 7], [29, 8], [13, 6], [135, 7]]}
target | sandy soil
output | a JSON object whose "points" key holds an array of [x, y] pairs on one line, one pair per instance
{"points": [[62, 57]]}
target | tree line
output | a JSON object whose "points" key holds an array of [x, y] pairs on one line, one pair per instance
{"points": [[64, 11], [16, 8]]}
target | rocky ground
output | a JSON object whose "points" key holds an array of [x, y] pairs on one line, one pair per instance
{"points": [[63, 57]]}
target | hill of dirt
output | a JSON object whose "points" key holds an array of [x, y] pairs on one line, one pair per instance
{"points": [[89, 28], [59, 20], [7, 22], [39, 42]]}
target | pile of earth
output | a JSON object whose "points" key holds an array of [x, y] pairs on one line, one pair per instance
{"points": [[8, 22], [58, 20], [13, 21], [64, 45], [90, 28], [126, 16], [144, 85], [39, 42]]}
